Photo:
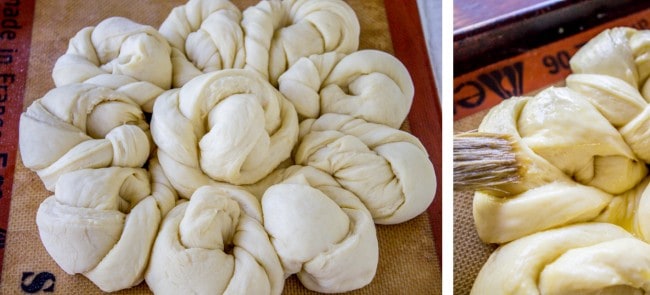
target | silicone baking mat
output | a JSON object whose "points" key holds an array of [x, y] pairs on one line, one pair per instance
{"points": [[35, 34]]}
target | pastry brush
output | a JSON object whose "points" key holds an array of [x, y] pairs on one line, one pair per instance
{"points": [[483, 161]]}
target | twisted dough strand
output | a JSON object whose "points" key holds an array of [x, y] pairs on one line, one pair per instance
{"points": [[118, 46], [102, 223], [82, 126], [338, 255], [205, 36], [388, 169], [586, 257], [278, 33], [226, 126], [213, 244], [367, 84]]}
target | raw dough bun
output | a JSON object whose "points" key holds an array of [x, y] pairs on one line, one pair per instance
{"points": [[102, 223], [388, 169], [225, 126], [320, 231], [278, 33], [118, 47], [82, 126], [585, 258], [215, 244], [205, 36], [367, 84]]}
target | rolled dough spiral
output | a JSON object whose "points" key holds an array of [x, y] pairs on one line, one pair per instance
{"points": [[215, 244], [225, 126], [367, 84], [388, 169], [205, 36], [278, 33], [118, 47], [102, 223], [320, 231], [82, 126]]}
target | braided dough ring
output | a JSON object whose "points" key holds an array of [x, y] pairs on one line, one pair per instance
{"points": [[82, 126], [102, 223], [278, 33], [579, 259], [205, 36], [118, 46], [225, 126], [367, 84], [388, 169], [215, 244], [339, 255]]}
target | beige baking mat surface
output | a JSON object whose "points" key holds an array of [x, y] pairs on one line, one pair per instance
{"points": [[408, 264]]}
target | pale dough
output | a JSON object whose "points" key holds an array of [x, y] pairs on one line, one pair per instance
{"points": [[367, 84], [226, 126], [621, 104], [321, 232], [629, 210], [592, 151], [612, 70], [388, 169], [500, 220], [215, 243], [503, 119], [102, 223], [572, 173], [82, 126], [278, 33], [585, 258], [118, 46], [205, 36], [608, 53]]}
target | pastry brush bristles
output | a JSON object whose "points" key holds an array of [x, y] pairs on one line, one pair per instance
{"points": [[485, 160]]}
